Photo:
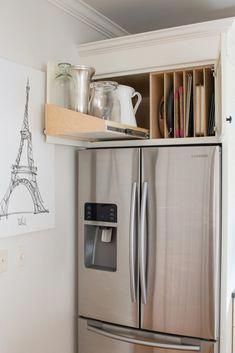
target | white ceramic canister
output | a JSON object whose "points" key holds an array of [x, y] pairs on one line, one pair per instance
{"points": [[125, 95]]}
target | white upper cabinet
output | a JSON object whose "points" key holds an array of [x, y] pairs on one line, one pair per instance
{"points": [[158, 64], [162, 58], [157, 50]]}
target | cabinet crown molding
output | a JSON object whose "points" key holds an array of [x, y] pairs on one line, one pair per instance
{"points": [[91, 17], [198, 30]]}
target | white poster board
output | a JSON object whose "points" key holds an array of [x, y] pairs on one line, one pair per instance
{"points": [[26, 162]]}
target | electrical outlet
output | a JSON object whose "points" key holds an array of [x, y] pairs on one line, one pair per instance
{"points": [[3, 260]]}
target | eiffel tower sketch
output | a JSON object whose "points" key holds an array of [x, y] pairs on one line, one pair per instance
{"points": [[24, 174]]}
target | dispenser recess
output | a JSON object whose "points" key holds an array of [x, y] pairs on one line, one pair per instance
{"points": [[100, 231]]}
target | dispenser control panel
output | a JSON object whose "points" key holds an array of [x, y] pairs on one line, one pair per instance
{"points": [[101, 212]]}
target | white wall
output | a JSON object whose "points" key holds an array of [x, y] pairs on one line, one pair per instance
{"points": [[38, 301]]}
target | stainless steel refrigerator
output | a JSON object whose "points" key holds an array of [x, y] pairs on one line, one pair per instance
{"points": [[149, 249]]}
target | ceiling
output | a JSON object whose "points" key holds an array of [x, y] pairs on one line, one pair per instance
{"points": [[137, 16]]}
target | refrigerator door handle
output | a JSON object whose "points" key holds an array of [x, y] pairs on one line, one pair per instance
{"points": [[132, 248], [108, 332], [142, 248]]}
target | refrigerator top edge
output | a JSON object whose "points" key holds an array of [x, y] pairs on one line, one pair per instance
{"points": [[141, 146]]}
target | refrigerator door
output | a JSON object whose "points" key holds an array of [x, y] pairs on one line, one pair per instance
{"points": [[97, 337], [179, 240], [108, 196]]}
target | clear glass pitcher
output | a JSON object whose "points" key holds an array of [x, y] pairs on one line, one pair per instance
{"points": [[63, 86], [104, 102]]}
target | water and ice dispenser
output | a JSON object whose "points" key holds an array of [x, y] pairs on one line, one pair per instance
{"points": [[100, 231]]}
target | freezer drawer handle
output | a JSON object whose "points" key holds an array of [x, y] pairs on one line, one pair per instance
{"points": [[111, 334], [132, 250], [142, 248]]}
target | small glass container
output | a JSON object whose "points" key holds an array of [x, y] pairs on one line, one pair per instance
{"points": [[104, 102], [64, 86]]}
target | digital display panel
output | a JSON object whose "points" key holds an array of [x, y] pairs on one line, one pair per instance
{"points": [[102, 212]]}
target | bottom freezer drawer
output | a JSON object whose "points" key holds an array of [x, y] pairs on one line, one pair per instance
{"points": [[98, 337]]}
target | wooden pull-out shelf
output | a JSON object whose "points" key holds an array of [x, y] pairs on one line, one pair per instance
{"points": [[67, 123]]}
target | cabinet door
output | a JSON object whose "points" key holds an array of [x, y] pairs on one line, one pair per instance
{"points": [[107, 275], [182, 236]]}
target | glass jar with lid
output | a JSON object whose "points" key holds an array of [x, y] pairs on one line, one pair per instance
{"points": [[104, 102], [64, 86]]}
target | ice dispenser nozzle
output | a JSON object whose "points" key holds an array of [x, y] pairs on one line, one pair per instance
{"points": [[106, 235]]}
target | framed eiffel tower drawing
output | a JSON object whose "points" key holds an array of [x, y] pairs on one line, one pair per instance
{"points": [[27, 180]]}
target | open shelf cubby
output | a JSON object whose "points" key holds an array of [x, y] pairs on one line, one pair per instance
{"points": [[182, 103], [175, 104]]}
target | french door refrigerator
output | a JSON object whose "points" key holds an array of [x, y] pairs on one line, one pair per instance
{"points": [[149, 249]]}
